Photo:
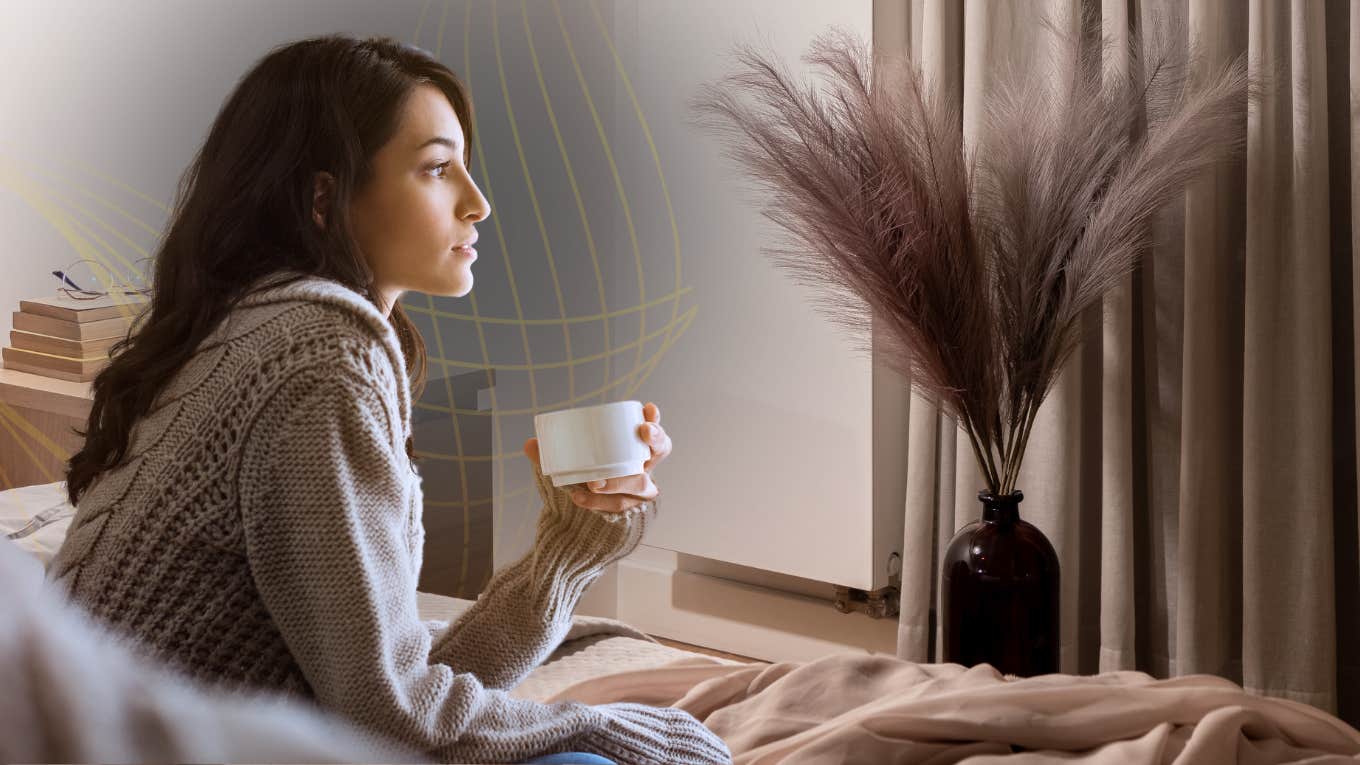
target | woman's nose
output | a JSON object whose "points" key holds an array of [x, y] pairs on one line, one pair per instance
{"points": [[474, 206]]}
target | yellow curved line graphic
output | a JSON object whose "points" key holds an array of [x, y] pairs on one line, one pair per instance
{"points": [[686, 319], [579, 319], [448, 383], [81, 190], [661, 177], [8, 415], [605, 313], [64, 224], [618, 182], [579, 360], [533, 202], [497, 437]]}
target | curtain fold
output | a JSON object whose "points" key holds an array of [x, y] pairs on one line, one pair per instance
{"points": [[1195, 464]]}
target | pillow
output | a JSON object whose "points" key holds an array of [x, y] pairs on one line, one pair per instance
{"points": [[21, 505]]}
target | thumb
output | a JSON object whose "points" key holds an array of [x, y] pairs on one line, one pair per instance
{"points": [[531, 449]]}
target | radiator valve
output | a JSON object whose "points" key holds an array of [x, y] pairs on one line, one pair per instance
{"points": [[877, 604], [882, 603]]}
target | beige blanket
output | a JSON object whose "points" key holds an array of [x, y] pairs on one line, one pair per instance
{"points": [[861, 708]]}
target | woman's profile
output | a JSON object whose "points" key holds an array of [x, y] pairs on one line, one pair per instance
{"points": [[248, 510]]}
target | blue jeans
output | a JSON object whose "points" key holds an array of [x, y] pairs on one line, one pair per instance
{"points": [[571, 758]]}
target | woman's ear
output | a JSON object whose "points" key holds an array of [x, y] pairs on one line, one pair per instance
{"points": [[323, 183]]}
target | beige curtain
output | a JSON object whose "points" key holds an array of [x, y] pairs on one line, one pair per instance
{"points": [[1195, 467]]}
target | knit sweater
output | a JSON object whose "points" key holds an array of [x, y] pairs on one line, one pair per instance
{"points": [[69, 692], [264, 531]]}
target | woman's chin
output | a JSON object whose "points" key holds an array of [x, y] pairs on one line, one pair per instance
{"points": [[451, 280], [459, 288], [458, 277], [454, 281]]}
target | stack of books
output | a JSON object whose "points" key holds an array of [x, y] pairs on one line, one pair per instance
{"points": [[69, 339]]}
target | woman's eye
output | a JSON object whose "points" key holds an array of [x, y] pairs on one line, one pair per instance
{"points": [[440, 167]]}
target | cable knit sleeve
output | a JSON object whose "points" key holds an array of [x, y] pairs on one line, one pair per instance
{"points": [[525, 610], [323, 481]]}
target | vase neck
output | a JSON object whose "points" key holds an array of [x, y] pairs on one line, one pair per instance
{"points": [[1001, 509]]}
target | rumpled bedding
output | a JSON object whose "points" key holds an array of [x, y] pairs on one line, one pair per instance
{"points": [[863, 708], [594, 646], [855, 707]]}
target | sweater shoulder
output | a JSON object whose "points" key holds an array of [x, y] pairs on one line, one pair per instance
{"points": [[309, 323], [303, 333], [310, 308]]}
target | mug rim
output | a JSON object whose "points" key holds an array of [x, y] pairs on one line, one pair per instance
{"points": [[581, 409]]}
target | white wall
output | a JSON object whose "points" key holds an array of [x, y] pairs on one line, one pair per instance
{"points": [[771, 411]]}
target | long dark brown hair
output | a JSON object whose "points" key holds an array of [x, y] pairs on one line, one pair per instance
{"points": [[243, 211]]}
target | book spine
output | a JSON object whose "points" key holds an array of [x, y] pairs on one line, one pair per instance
{"points": [[84, 314], [83, 376], [70, 330], [34, 341], [56, 357]]}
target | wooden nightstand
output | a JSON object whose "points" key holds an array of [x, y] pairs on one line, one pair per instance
{"points": [[37, 415]]}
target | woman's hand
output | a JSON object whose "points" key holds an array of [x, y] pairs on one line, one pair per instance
{"points": [[620, 494]]}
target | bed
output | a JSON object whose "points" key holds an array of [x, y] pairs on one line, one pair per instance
{"points": [[861, 707]]}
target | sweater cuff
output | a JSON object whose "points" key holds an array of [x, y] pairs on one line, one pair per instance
{"points": [[639, 734], [575, 544]]}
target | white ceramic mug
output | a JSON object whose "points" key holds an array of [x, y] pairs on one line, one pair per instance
{"points": [[591, 442]]}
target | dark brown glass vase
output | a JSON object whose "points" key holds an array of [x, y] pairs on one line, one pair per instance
{"points": [[999, 592]]}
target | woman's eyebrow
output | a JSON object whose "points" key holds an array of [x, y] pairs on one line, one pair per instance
{"points": [[439, 139]]}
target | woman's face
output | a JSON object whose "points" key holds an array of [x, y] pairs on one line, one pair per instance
{"points": [[420, 204]]}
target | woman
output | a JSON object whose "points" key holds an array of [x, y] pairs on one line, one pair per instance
{"points": [[248, 508]]}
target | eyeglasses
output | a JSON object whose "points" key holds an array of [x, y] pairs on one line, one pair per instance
{"points": [[96, 275]]}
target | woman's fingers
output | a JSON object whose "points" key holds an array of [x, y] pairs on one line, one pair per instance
{"points": [[633, 491], [654, 435], [658, 441], [629, 484]]}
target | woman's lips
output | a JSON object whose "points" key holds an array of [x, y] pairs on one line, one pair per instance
{"points": [[467, 252]]}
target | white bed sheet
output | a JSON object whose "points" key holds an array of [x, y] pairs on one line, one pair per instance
{"points": [[18, 506], [594, 647]]}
